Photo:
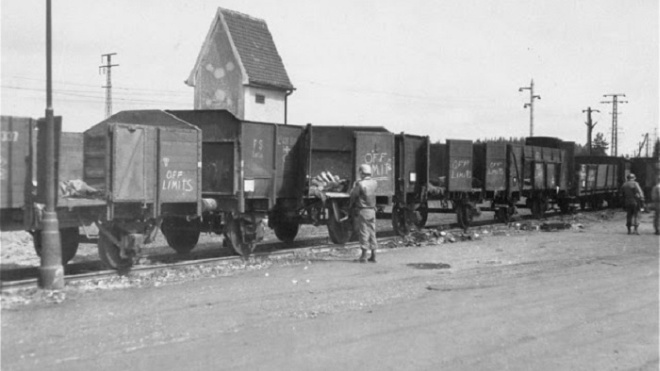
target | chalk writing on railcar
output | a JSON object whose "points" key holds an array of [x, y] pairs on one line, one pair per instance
{"points": [[8, 136], [286, 144], [176, 180], [380, 162], [495, 168], [258, 148], [460, 169]]}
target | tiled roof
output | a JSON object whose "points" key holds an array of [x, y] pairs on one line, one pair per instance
{"points": [[257, 50], [255, 47]]}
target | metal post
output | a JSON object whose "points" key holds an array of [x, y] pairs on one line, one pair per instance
{"points": [[51, 271], [530, 105], [107, 69]]}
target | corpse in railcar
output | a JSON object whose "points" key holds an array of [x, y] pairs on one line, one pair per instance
{"points": [[23, 180]]}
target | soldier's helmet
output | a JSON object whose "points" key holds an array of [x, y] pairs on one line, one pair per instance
{"points": [[365, 169], [631, 176]]}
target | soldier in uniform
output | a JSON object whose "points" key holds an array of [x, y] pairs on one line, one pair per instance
{"points": [[363, 206], [655, 197], [632, 198]]}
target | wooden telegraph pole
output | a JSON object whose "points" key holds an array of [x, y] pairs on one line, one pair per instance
{"points": [[590, 126]]}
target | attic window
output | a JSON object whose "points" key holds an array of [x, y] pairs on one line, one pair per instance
{"points": [[260, 99]]}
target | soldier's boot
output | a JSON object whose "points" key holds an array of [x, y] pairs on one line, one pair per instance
{"points": [[636, 232], [628, 230], [372, 259], [363, 257]]}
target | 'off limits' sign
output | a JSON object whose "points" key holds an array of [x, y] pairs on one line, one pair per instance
{"points": [[381, 164], [176, 180]]}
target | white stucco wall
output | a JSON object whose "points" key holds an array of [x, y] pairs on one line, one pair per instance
{"points": [[272, 110]]}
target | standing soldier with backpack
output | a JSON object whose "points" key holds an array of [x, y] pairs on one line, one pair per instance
{"points": [[632, 198]]}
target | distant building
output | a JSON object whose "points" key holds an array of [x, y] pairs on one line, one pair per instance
{"points": [[240, 70]]}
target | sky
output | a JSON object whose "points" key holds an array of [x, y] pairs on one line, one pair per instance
{"points": [[449, 69]]}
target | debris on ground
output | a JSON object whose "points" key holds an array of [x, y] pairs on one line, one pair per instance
{"points": [[555, 226]]}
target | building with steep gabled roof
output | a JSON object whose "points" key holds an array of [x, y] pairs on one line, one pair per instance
{"points": [[240, 70]]}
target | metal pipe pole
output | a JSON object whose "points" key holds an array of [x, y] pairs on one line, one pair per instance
{"points": [[530, 105], [51, 271], [531, 109]]}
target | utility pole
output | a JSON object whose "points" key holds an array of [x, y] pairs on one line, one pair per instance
{"points": [[615, 126], [51, 271], [107, 69], [530, 105], [644, 142], [590, 126]]}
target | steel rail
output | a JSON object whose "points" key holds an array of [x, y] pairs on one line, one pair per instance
{"points": [[6, 286], [32, 283]]}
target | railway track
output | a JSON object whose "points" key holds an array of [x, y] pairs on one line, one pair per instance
{"points": [[23, 278], [263, 253]]}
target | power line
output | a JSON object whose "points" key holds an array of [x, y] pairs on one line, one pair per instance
{"points": [[75, 93], [128, 88]]}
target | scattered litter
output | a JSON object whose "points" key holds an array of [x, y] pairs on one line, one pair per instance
{"points": [[429, 265]]}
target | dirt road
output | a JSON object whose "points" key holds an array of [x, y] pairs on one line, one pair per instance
{"points": [[584, 299]]}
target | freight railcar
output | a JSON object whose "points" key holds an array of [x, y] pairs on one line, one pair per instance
{"points": [[22, 179], [498, 168], [548, 165], [248, 168], [433, 172], [124, 174], [288, 175], [646, 170], [144, 168], [338, 151], [598, 179]]}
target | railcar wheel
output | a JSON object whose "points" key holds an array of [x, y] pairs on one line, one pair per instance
{"points": [[502, 215], [109, 253], [564, 206], [538, 208], [286, 231], [69, 241], [464, 215], [421, 215], [235, 233], [401, 220], [340, 231], [181, 235]]}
